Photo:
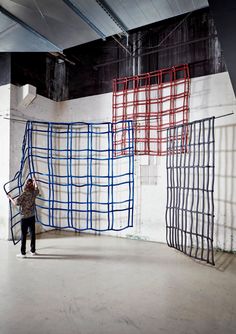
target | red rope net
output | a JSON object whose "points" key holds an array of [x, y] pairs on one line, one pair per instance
{"points": [[154, 101]]}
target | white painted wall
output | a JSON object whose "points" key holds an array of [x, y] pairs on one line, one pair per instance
{"points": [[97, 108], [5, 159], [213, 96], [210, 96]]}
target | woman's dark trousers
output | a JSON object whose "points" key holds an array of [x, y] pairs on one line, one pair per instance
{"points": [[27, 223]]}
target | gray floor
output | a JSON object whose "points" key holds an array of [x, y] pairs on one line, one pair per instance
{"points": [[103, 285]]}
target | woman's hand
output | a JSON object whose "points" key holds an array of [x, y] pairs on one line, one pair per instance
{"points": [[11, 199], [35, 182]]}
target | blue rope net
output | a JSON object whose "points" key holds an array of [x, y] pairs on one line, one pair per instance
{"points": [[85, 182]]}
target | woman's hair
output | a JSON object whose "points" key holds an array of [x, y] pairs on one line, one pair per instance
{"points": [[29, 185]]}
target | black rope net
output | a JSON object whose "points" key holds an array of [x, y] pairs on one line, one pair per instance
{"points": [[190, 185]]}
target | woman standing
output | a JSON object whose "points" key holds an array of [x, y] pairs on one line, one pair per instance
{"points": [[26, 201]]}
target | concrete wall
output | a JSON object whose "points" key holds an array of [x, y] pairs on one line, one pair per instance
{"points": [[210, 96], [5, 158], [213, 96]]}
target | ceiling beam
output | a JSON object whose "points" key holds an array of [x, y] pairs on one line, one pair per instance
{"points": [[27, 27], [76, 9], [103, 4]]}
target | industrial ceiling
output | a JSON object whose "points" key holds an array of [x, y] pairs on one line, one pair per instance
{"points": [[55, 25]]}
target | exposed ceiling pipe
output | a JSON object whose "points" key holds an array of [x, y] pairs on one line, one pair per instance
{"points": [[123, 47], [61, 56], [169, 47], [76, 9], [27, 27]]}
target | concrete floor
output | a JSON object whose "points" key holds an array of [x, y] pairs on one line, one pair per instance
{"points": [[83, 284]]}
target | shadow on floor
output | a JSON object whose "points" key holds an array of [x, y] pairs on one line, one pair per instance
{"points": [[224, 260], [55, 234]]}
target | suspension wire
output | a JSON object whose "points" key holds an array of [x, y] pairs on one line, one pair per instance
{"points": [[140, 119], [16, 120], [156, 117], [224, 115], [169, 34], [22, 120]]}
